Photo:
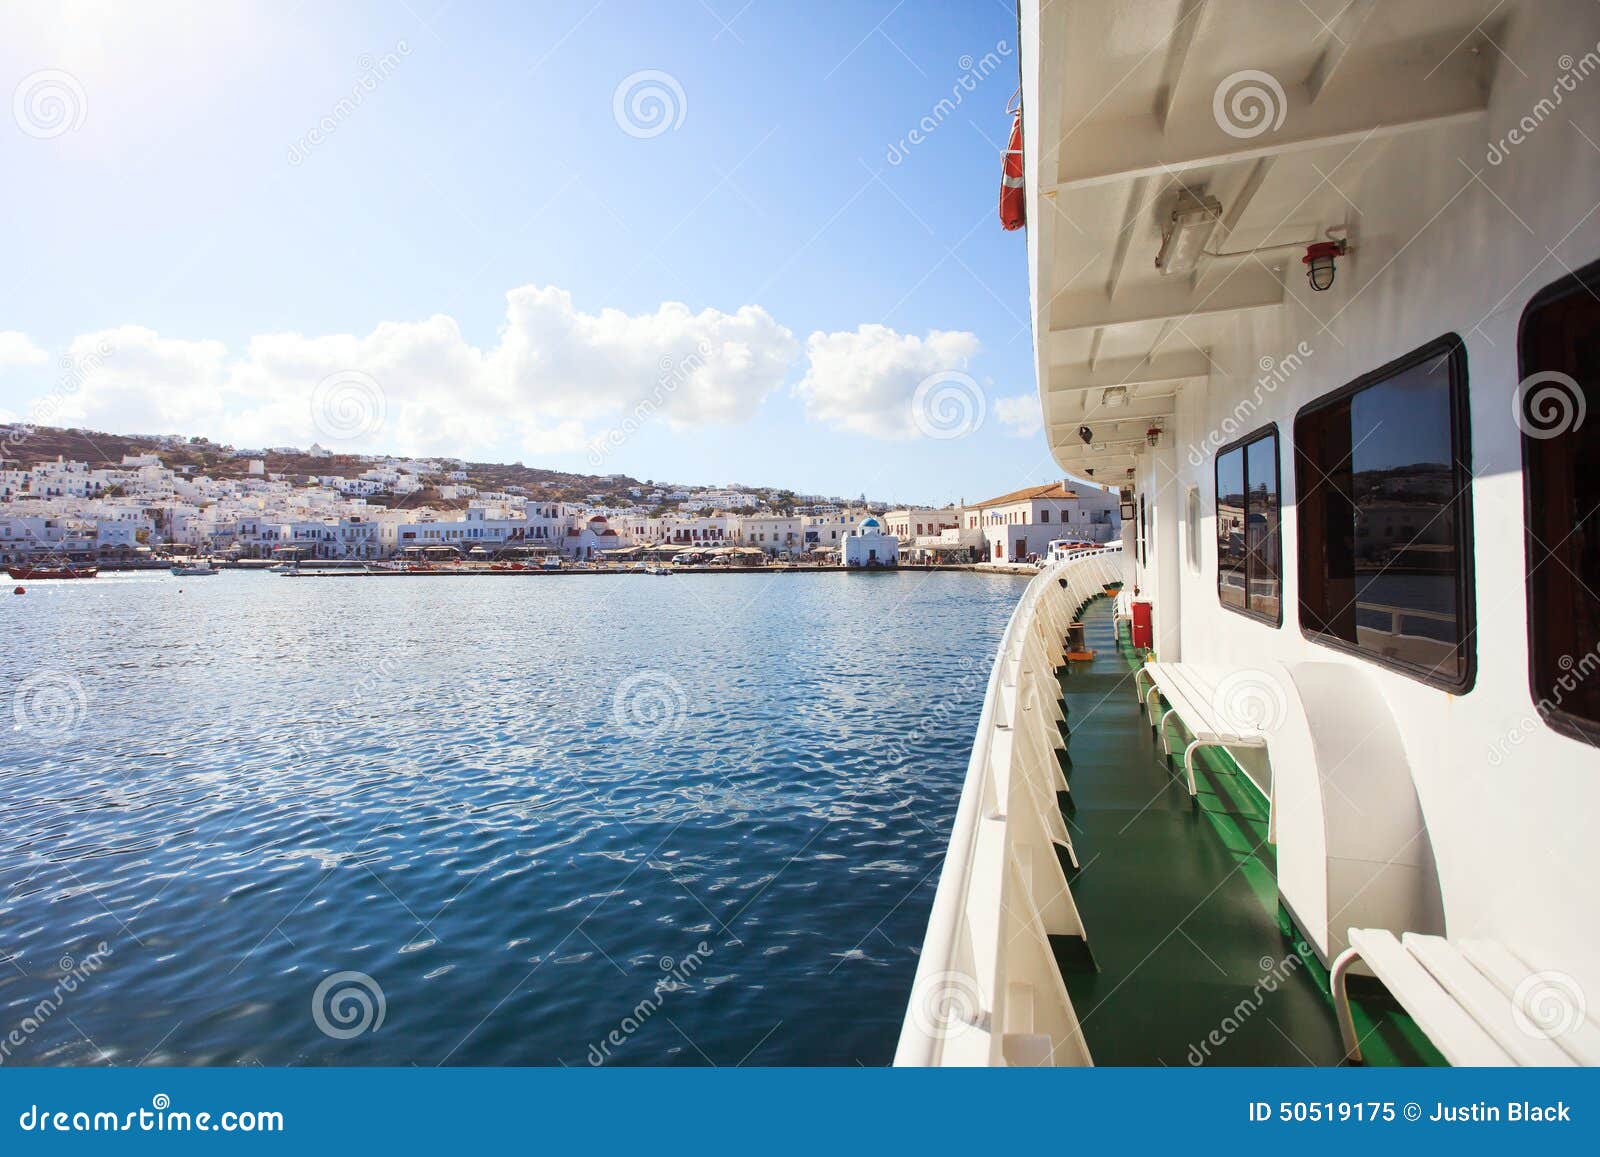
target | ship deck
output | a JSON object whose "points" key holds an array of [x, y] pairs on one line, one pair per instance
{"points": [[1193, 959]]}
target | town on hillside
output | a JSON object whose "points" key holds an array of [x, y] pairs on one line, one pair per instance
{"points": [[167, 497]]}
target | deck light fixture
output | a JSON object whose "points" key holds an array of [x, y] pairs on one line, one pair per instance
{"points": [[1319, 262], [1153, 435], [1114, 397], [1184, 236]]}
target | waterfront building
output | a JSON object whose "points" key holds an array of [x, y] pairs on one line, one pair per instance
{"points": [[826, 526], [909, 522], [869, 546], [1025, 521], [772, 534], [586, 541]]}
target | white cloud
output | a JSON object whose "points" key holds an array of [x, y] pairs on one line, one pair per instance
{"points": [[17, 349], [865, 381], [422, 387], [1020, 414]]}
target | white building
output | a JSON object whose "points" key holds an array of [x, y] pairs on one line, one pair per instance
{"points": [[911, 522], [1026, 521], [773, 534], [587, 540], [868, 546], [827, 527]]}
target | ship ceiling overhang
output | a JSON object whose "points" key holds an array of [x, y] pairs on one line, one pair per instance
{"points": [[1132, 104]]}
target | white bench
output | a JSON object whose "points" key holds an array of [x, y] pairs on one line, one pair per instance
{"points": [[1476, 1000], [1200, 698]]}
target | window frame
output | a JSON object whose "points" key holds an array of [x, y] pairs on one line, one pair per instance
{"points": [[1586, 279], [1451, 347], [1270, 430], [1193, 518]]}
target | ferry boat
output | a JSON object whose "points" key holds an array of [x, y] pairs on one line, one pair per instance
{"points": [[1318, 287]]}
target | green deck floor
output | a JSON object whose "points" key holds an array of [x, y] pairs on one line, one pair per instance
{"points": [[1194, 962]]}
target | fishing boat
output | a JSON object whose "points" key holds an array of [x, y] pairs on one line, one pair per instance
{"points": [[195, 569], [657, 568], [1315, 286], [53, 572]]}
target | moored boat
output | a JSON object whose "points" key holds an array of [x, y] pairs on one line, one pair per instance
{"points": [[52, 572]]}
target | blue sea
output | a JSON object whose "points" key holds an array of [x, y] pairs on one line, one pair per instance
{"points": [[421, 820]]}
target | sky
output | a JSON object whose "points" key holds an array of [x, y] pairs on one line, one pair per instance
{"points": [[700, 241]]}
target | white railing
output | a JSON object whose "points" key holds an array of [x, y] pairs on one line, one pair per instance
{"points": [[988, 990]]}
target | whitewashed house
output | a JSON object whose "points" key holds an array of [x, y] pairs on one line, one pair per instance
{"points": [[869, 546]]}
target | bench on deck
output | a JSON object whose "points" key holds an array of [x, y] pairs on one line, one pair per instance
{"points": [[1476, 1000], [1199, 697]]}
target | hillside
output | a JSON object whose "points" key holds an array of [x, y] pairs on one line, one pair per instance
{"points": [[25, 445]]}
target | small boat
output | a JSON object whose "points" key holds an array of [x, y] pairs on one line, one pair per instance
{"points": [[52, 572], [658, 570], [550, 564], [195, 569]]}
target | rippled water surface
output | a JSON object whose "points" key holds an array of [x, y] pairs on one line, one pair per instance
{"points": [[545, 819]]}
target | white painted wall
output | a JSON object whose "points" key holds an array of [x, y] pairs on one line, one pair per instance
{"points": [[1513, 824]]}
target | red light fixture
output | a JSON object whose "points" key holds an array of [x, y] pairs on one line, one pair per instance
{"points": [[1319, 262]]}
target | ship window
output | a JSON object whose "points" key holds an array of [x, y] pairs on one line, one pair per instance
{"points": [[1192, 528], [1382, 469], [1144, 551], [1559, 366], [1249, 545]]}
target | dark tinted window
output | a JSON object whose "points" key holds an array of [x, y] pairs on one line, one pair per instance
{"points": [[1559, 412], [1249, 546], [1230, 528], [1144, 555], [1262, 539], [1382, 471]]}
